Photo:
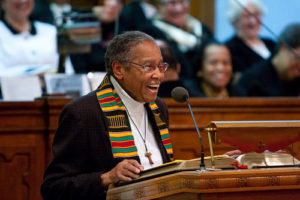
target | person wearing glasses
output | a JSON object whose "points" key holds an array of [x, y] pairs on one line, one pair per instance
{"points": [[246, 46], [116, 131], [279, 75]]}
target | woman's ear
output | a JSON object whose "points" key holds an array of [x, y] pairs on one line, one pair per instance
{"points": [[118, 70]]}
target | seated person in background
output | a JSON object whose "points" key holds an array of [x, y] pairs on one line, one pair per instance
{"points": [[246, 46], [136, 14], [171, 79], [215, 71], [125, 108], [279, 75], [181, 31], [94, 60], [51, 11], [26, 47]]}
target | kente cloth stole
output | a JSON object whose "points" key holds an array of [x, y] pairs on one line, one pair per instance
{"points": [[118, 126]]}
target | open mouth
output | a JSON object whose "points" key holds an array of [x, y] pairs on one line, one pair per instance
{"points": [[153, 88]]}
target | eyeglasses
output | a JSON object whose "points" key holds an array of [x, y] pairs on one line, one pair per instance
{"points": [[150, 68]]}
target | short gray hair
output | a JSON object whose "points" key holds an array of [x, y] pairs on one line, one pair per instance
{"points": [[119, 48], [235, 8]]}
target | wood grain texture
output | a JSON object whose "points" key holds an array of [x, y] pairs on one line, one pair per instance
{"points": [[231, 184]]}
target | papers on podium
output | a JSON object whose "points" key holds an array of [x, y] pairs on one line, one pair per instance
{"points": [[74, 84], [25, 88]]}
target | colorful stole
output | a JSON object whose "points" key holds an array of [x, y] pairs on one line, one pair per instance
{"points": [[118, 126]]}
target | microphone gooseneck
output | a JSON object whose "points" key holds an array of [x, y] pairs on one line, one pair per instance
{"points": [[181, 95]]}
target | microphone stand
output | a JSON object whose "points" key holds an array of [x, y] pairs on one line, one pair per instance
{"points": [[202, 165]]}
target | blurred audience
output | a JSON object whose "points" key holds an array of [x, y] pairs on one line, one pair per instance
{"points": [[246, 46], [215, 71], [279, 75], [51, 11], [181, 31], [171, 78], [136, 14], [27, 47], [94, 60]]}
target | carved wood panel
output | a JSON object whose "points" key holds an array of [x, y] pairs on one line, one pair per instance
{"points": [[17, 173]]}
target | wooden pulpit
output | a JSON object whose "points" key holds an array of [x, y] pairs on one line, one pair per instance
{"points": [[246, 184], [267, 184]]}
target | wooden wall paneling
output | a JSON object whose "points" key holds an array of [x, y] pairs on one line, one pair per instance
{"points": [[204, 10], [22, 150]]}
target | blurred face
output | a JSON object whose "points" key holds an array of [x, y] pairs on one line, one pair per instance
{"points": [[140, 85], [289, 67], [174, 11], [18, 10], [247, 25], [108, 12], [217, 69], [111, 10]]}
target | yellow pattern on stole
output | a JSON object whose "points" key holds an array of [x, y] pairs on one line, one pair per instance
{"points": [[158, 120], [117, 121]]}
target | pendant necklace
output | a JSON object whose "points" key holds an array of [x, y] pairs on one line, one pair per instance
{"points": [[147, 153]]}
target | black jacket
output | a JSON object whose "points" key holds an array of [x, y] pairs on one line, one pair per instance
{"points": [[82, 152]]}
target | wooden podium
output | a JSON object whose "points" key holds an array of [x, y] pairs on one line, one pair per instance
{"points": [[246, 184], [267, 184]]}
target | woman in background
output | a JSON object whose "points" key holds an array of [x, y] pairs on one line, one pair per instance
{"points": [[181, 31], [27, 47], [215, 72], [246, 46]]}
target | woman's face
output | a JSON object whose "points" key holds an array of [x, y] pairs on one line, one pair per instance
{"points": [[289, 67], [174, 11], [18, 9], [248, 23], [216, 67]]}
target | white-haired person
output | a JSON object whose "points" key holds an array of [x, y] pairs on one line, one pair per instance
{"points": [[246, 46], [279, 76]]}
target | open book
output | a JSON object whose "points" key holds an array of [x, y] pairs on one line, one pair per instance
{"points": [[221, 162], [268, 159], [252, 160]]}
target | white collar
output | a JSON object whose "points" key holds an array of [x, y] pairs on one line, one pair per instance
{"points": [[136, 109]]}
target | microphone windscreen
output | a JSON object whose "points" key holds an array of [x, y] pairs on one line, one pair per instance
{"points": [[180, 94]]}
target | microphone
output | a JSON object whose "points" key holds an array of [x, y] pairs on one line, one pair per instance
{"points": [[181, 95]]}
